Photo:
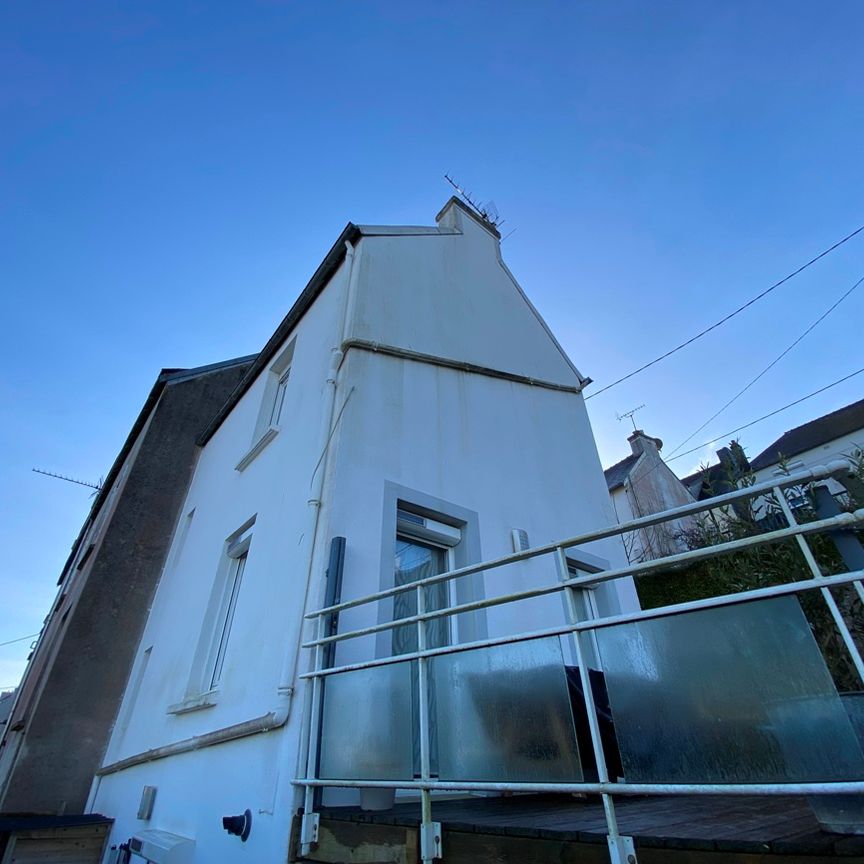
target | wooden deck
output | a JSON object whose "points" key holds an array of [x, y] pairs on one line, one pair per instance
{"points": [[556, 828]]}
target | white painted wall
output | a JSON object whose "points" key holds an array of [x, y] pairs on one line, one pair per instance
{"points": [[516, 455]]}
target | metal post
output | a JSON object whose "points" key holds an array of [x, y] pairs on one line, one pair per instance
{"points": [[848, 545], [621, 849], [836, 614], [310, 822], [430, 832]]}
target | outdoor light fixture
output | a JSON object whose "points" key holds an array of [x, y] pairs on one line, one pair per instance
{"points": [[238, 825]]}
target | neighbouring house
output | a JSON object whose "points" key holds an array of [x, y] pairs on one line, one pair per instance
{"points": [[837, 435], [67, 702], [412, 414], [832, 437], [643, 484]]}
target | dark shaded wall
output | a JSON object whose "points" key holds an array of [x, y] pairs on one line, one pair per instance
{"points": [[66, 732]]}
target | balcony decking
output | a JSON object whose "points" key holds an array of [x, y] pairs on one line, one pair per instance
{"points": [[531, 829]]}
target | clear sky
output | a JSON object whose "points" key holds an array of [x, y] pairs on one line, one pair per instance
{"points": [[171, 173]]}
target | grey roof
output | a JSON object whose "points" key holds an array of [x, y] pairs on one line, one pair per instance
{"points": [[823, 429], [618, 473]]}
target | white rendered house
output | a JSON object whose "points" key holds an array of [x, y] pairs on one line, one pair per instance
{"points": [[412, 402]]}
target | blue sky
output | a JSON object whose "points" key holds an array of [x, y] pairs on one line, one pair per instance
{"points": [[172, 173]]}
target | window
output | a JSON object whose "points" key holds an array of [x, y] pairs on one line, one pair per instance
{"points": [[423, 547], [274, 403], [236, 553], [209, 662], [273, 413], [279, 401]]}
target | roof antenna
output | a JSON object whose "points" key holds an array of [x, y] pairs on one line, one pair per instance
{"points": [[628, 415], [488, 212], [96, 486]]}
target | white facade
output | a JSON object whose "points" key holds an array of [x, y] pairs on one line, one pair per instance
{"points": [[420, 376]]}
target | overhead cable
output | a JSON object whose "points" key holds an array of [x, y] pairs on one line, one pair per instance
{"points": [[773, 363], [732, 314], [766, 416]]}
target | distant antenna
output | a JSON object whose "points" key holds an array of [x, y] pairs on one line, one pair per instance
{"points": [[628, 415], [96, 486], [487, 212]]}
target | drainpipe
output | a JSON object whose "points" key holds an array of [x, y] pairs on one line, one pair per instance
{"points": [[310, 535], [318, 479]]}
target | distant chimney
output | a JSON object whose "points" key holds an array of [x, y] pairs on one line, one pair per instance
{"points": [[734, 460], [640, 443]]}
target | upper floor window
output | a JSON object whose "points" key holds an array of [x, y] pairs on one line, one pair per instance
{"points": [[273, 412], [279, 400]]}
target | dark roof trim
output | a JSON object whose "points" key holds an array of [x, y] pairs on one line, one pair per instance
{"points": [[459, 365], [307, 297], [166, 376]]}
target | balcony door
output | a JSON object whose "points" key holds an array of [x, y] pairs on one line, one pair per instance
{"points": [[415, 560]]}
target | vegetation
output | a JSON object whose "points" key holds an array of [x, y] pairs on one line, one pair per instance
{"points": [[768, 564]]}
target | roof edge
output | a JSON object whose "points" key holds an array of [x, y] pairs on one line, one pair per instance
{"points": [[332, 261]]}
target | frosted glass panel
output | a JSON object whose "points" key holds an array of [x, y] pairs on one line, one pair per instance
{"points": [[738, 694], [504, 714], [366, 724]]}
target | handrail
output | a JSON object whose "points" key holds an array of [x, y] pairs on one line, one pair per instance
{"points": [[844, 520], [598, 623], [808, 476]]}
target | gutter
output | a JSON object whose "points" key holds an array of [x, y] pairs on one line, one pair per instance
{"points": [[460, 365], [265, 723]]}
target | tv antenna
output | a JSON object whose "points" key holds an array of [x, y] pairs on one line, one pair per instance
{"points": [[96, 486], [628, 415], [488, 211]]}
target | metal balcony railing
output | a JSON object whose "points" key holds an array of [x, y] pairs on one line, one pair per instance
{"points": [[785, 735]]}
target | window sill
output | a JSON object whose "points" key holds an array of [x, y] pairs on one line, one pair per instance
{"points": [[257, 447], [194, 703]]}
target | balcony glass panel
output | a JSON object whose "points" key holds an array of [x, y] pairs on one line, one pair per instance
{"points": [[366, 726], [504, 714], [734, 694]]}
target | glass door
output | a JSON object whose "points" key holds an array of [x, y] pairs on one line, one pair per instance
{"points": [[415, 560]]}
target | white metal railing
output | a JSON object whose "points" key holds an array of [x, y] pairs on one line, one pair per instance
{"points": [[620, 847]]}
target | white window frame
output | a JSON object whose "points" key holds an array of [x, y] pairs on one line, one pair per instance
{"points": [[414, 528], [208, 664], [237, 553], [271, 413]]}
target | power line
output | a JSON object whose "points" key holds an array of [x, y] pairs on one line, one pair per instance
{"points": [[773, 363], [19, 639], [766, 416], [730, 315]]}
